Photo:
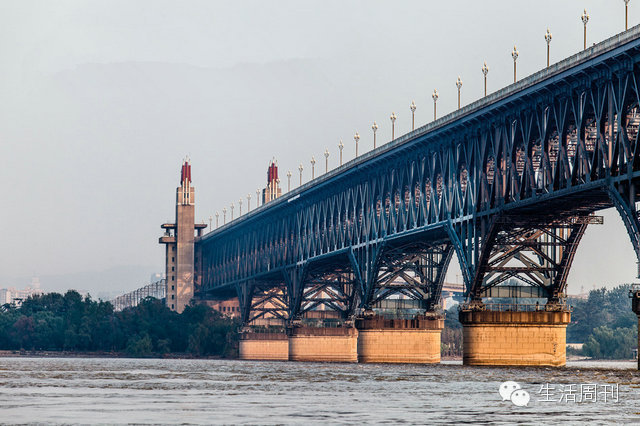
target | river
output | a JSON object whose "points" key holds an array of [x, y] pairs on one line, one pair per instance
{"points": [[112, 390]]}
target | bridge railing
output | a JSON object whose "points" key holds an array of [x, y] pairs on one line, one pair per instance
{"points": [[514, 307]]}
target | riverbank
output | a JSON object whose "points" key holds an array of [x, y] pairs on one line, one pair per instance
{"points": [[80, 354]]}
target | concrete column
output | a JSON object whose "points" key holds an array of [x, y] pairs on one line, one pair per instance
{"points": [[515, 338], [319, 344], [635, 305], [263, 346], [415, 341]]}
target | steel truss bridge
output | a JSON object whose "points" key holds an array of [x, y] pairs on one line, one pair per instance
{"points": [[157, 290], [508, 183]]}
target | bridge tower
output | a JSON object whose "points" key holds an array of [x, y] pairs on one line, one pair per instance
{"points": [[272, 190], [179, 238]]}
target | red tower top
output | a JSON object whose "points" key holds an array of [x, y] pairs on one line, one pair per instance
{"points": [[185, 174], [272, 172]]}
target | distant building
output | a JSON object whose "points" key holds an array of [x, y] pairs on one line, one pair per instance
{"points": [[229, 308], [13, 296]]}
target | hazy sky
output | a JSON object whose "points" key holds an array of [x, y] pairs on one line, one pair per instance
{"points": [[101, 100]]}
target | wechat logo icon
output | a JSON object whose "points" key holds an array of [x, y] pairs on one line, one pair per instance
{"points": [[511, 391]]}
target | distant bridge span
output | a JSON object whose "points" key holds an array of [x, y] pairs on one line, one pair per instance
{"points": [[509, 183]]}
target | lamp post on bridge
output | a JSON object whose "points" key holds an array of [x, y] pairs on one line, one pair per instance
{"points": [[326, 160], [232, 207], [413, 108], [313, 167], [459, 86], [240, 207], [300, 168], [514, 55], [393, 125], [547, 38], [434, 95], [248, 203], [626, 15], [217, 217], [356, 138], [374, 127], [224, 215], [340, 147], [210, 222], [485, 71], [288, 180], [585, 20], [257, 198]]}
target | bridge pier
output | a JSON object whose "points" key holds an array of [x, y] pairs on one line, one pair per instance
{"points": [[323, 344], [635, 305], [414, 341], [269, 346], [504, 338]]}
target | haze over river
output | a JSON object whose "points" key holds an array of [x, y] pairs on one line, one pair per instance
{"points": [[108, 390]]}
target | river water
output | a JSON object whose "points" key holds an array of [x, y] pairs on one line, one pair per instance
{"points": [[108, 390]]}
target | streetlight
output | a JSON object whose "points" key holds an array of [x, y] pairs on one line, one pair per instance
{"points": [[288, 180], [217, 217], [434, 95], [356, 138], [375, 129], [485, 71], [224, 215], [514, 55], [413, 107], [393, 125], [301, 169], [210, 221], [585, 19], [340, 147], [240, 208], [248, 203], [626, 15], [258, 197], [326, 160], [548, 38], [232, 211], [313, 167], [459, 86]]}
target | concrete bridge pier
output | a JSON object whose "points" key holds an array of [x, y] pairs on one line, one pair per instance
{"points": [[635, 305], [263, 346], [501, 338], [415, 341], [323, 344]]}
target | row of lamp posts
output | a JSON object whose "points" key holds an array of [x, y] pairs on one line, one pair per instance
{"points": [[485, 70]]}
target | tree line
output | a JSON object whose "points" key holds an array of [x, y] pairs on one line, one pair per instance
{"points": [[605, 323], [69, 322]]}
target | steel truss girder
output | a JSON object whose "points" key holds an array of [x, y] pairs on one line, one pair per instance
{"points": [[330, 286], [566, 146], [264, 300], [536, 254], [415, 270]]}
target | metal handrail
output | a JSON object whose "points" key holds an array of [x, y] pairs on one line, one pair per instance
{"points": [[515, 307]]}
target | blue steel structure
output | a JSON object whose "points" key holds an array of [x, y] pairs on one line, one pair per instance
{"points": [[509, 183]]}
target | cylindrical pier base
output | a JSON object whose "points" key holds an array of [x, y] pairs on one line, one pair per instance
{"points": [[415, 341], [338, 344], [264, 346], [515, 338]]}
